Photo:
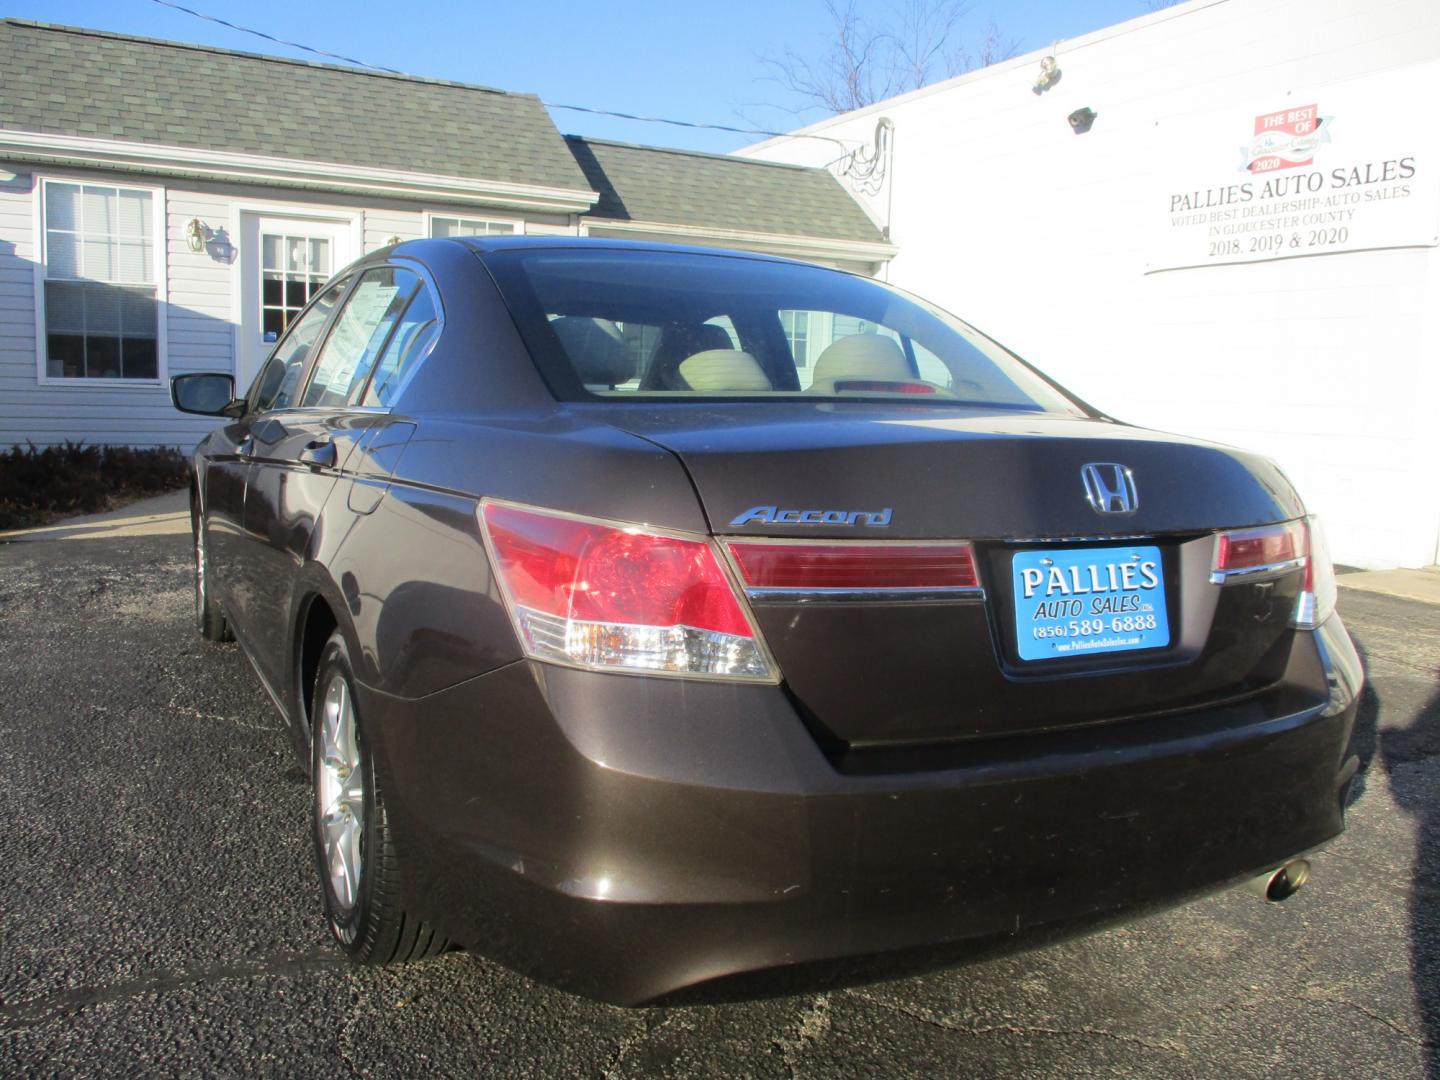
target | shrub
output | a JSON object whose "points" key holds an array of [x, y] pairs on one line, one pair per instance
{"points": [[39, 485]]}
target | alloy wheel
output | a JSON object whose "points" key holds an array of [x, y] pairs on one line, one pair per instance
{"points": [[341, 796]]}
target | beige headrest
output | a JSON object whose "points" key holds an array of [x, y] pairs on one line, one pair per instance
{"points": [[859, 356], [723, 369]]}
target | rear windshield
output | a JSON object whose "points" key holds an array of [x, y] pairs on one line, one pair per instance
{"points": [[608, 324]]}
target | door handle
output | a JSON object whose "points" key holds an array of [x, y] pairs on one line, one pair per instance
{"points": [[320, 454], [246, 448]]}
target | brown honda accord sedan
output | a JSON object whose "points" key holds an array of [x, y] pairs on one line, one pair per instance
{"points": [[648, 615]]}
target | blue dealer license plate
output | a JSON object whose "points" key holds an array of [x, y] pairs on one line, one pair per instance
{"points": [[1077, 602]]}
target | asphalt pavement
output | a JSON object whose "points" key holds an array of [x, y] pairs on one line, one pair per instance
{"points": [[159, 912]]}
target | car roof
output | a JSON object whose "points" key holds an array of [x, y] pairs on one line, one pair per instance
{"points": [[485, 245], [596, 243]]}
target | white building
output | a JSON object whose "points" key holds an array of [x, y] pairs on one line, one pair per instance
{"points": [[1241, 246], [167, 207]]}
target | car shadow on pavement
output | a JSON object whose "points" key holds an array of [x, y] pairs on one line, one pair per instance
{"points": [[1393, 749], [1399, 748]]}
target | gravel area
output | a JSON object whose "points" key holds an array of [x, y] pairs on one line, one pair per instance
{"points": [[159, 912]]}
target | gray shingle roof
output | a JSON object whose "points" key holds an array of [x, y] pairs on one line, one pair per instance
{"points": [[68, 81], [681, 187]]}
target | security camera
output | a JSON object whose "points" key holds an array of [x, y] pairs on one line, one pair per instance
{"points": [[1081, 119]]}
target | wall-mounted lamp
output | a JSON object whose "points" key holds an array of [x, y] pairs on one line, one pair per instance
{"points": [[1049, 75], [196, 235], [1081, 119]]}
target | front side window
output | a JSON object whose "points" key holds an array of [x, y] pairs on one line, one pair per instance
{"points": [[101, 310], [279, 380], [727, 327], [459, 226]]}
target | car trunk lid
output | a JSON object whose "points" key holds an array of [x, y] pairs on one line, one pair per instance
{"points": [[906, 668]]}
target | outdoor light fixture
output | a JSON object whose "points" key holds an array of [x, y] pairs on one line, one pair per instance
{"points": [[1049, 75], [1081, 119], [196, 233]]}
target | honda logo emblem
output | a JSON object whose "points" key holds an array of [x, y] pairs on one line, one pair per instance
{"points": [[1110, 488]]}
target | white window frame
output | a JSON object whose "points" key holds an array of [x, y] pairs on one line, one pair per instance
{"points": [[158, 223], [518, 224]]}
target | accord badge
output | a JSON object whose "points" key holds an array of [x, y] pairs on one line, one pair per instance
{"points": [[772, 515]]}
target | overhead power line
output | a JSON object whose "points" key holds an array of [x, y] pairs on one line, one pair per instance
{"points": [[272, 37], [548, 104], [683, 123]]}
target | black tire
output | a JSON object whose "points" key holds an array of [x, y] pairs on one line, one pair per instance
{"points": [[209, 617], [374, 928]]}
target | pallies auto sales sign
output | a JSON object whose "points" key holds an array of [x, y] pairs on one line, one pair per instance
{"points": [[1348, 167]]}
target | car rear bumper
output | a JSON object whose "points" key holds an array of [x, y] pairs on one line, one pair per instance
{"points": [[625, 837]]}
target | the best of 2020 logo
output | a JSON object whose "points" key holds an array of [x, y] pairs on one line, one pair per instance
{"points": [[1285, 140]]}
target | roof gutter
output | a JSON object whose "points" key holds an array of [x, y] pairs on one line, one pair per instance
{"points": [[256, 168], [812, 247]]}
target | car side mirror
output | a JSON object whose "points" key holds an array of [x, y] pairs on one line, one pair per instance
{"points": [[206, 393]]}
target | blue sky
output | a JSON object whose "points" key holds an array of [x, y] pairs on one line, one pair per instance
{"points": [[694, 60]]}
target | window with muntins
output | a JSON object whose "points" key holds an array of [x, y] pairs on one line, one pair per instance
{"points": [[101, 310], [276, 385], [292, 269], [457, 226]]}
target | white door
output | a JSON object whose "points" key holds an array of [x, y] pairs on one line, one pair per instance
{"points": [[283, 262]]}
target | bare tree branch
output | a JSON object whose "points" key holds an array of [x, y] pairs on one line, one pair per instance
{"points": [[923, 35], [991, 49], [916, 43]]}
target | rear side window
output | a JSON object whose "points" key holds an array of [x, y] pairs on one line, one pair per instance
{"points": [[603, 323], [414, 333], [279, 380], [362, 329]]}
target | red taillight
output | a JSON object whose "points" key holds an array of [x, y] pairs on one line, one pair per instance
{"points": [[1317, 601], [619, 597], [1256, 549], [854, 566], [1254, 554]]}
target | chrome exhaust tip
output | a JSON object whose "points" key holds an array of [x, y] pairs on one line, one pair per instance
{"points": [[1281, 883]]}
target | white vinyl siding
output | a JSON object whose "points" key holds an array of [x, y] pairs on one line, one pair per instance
{"points": [[17, 299], [102, 411], [384, 227], [198, 301], [195, 327], [201, 336]]}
